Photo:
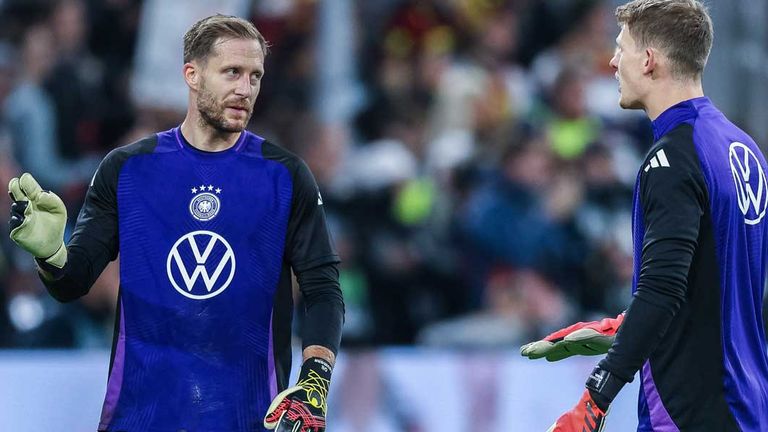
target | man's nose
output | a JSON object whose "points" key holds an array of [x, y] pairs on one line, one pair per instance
{"points": [[243, 87]]}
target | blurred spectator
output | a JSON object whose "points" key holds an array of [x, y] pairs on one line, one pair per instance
{"points": [[400, 251], [7, 171], [112, 41], [519, 303], [522, 216], [569, 127], [31, 116], [603, 218], [481, 88], [76, 84], [582, 32]]}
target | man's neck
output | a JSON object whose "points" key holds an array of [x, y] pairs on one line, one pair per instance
{"points": [[207, 138], [670, 95]]}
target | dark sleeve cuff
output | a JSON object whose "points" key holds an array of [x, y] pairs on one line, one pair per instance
{"points": [[603, 386], [54, 272]]}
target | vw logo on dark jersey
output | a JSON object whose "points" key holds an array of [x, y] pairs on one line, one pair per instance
{"points": [[201, 265], [750, 181]]}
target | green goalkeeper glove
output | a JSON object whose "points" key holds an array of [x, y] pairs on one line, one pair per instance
{"points": [[584, 338], [37, 220]]}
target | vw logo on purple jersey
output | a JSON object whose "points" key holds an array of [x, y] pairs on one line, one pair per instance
{"points": [[750, 181], [201, 265]]}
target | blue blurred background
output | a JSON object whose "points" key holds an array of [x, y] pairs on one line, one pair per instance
{"points": [[475, 168]]}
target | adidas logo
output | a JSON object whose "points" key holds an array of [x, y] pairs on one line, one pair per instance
{"points": [[659, 159]]}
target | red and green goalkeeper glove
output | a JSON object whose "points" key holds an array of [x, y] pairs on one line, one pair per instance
{"points": [[589, 413], [586, 416], [302, 407], [583, 338]]}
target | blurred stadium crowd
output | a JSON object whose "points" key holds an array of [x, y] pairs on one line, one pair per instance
{"points": [[478, 189]]}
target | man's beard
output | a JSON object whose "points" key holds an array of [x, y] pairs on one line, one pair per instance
{"points": [[212, 114]]}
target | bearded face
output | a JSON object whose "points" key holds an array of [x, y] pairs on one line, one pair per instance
{"points": [[230, 116], [229, 82]]}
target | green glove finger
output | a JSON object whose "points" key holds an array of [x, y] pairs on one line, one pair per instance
{"points": [[554, 351], [566, 349], [30, 186], [50, 202], [594, 340], [15, 190], [528, 349], [562, 352], [538, 349]]}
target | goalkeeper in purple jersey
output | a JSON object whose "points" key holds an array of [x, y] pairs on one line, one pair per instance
{"points": [[694, 329], [210, 221]]}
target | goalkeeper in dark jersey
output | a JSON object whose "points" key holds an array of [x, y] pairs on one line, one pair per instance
{"points": [[694, 329], [209, 221]]}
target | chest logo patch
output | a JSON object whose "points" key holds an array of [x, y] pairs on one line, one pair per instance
{"points": [[201, 274], [750, 181], [205, 204]]}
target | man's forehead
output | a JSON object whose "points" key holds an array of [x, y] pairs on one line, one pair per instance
{"points": [[624, 37], [238, 48]]}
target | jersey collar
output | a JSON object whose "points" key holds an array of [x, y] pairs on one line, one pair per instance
{"points": [[677, 114]]}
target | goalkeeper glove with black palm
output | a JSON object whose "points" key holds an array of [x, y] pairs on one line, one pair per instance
{"points": [[37, 220], [302, 408], [583, 338]]}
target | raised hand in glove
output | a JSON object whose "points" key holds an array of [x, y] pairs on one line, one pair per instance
{"points": [[583, 338], [37, 220], [302, 408]]}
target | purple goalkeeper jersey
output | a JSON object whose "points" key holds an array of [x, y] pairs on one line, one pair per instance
{"points": [[206, 243], [700, 242]]}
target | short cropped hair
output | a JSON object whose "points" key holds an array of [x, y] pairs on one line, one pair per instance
{"points": [[681, 29], [200, 38]]}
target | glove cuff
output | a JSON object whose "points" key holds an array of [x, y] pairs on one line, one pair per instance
{"points": [[59, 258], [317, 367], [52, 268], [603, 386], [315, 379]]}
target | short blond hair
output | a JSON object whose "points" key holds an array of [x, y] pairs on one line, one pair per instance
{"points": [[200, 38], [681, 29]]}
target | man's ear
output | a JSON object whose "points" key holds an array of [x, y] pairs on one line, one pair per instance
{"points": [[192, 74], [651, 62]]}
